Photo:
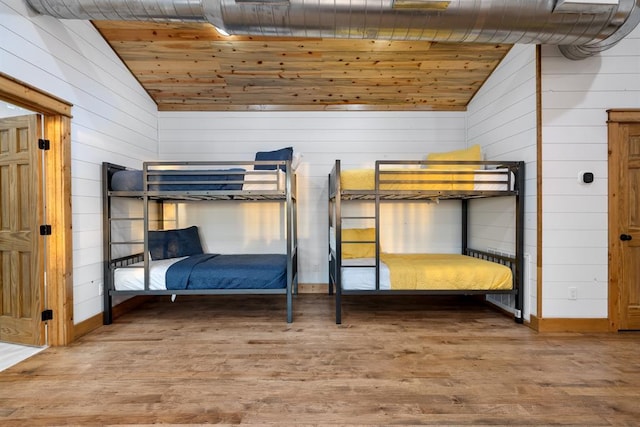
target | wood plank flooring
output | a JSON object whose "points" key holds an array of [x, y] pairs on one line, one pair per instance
{"points": [[394, 360]]}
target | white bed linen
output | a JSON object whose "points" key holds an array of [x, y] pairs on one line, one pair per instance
{"points": [[500, 175], [361, 278], [275, 181], [132, 279], [364, 278]]}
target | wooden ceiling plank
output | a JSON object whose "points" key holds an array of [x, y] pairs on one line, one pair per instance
{"points": [[190, 67]]}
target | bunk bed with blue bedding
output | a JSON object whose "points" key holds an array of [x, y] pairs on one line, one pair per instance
{"points": [[144, 258], [357, 263]]}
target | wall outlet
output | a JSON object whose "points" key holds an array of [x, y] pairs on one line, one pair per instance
{"points": [[100, 289], [573, 293]]}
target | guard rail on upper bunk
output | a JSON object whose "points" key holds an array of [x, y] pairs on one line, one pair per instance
{"points": [[206, 180], [426, 180]]}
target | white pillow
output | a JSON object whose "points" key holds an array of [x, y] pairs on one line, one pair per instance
{"points": [[295, 160]]}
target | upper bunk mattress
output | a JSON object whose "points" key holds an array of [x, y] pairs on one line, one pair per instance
{"points": [[237, 179], [132, 180], [426, 180]]}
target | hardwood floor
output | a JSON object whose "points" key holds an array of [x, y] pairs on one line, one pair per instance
{"points": [[394, 360]]}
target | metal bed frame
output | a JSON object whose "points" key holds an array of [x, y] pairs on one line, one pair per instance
{"points": [[386, 173], [153, 201]]}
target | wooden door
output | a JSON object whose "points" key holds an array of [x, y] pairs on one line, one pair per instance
{"points": [[21, 260], [624, 219]]}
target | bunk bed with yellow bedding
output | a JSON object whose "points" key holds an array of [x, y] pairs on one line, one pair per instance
{"points": [[357, 262]]}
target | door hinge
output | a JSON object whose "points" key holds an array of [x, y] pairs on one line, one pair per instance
{"points": [[45, 230], [47, 315], [44, 144]]}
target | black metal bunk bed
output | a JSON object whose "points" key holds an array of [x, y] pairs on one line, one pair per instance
{"points": [[426, 181], [158, 184]]}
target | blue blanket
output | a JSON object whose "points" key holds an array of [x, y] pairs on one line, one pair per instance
{"points": [[214, 271]]}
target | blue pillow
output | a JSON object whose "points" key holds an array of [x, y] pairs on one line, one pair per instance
{"points": [[281, 154], [165, 244]]}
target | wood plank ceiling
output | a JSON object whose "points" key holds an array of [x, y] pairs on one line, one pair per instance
{"points": [[190, 67]]}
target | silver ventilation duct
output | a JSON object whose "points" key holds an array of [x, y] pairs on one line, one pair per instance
{"points": [[581, 28]]}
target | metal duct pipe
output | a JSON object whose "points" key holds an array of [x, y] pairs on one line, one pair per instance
{"points": [[581, 28], [122, 10]]}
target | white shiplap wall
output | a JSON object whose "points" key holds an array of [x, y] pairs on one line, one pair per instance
{"points": [[113, 120], [356, 138], [502, 119], [575, 97]]}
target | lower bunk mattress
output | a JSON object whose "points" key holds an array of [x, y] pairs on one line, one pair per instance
{"points": [[442, 272], [207, 271]]}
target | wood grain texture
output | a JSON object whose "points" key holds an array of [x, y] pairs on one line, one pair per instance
{"points": [[21, 248], [58, 263], [395, 360], [190, 67]]}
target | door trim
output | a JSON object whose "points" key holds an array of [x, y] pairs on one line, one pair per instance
{"points": [[59, 258], [616, 118]]}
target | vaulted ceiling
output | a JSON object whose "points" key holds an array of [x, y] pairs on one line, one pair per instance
{"points": [[191, 67]]}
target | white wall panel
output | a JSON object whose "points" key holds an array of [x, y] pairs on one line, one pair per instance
{"points": [[585, 238], [573, 170], [113, 120], [502, 119], [571, 186], [569, 203], [356, 138], [583, 134], [581, 308], [569, 273], [575, 98]]}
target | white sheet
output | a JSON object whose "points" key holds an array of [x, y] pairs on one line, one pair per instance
{"points": [[276, 181], [488, 175], [364, 278], [132, 279]]}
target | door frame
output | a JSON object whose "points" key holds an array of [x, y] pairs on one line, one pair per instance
{"points": [[59, 257], [616, 118]]}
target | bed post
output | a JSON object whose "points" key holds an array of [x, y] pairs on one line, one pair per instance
{"points": [[330, 264], [338, 231], [465, 226], [107, 310], [377, 222], [290, 240], [520, 182], [294, 232]]}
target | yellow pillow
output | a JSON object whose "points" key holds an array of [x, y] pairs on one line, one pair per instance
{"points": [[472, 153], [358, 250]]}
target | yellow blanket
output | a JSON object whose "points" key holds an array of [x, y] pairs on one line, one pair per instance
{"points": [[417, 180], [446, 272]]}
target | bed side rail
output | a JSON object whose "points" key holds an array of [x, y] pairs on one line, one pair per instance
{"points": [[126, 261], [205, 180], [216, 176], [511, 262], [445, 176], [505, 260]]}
